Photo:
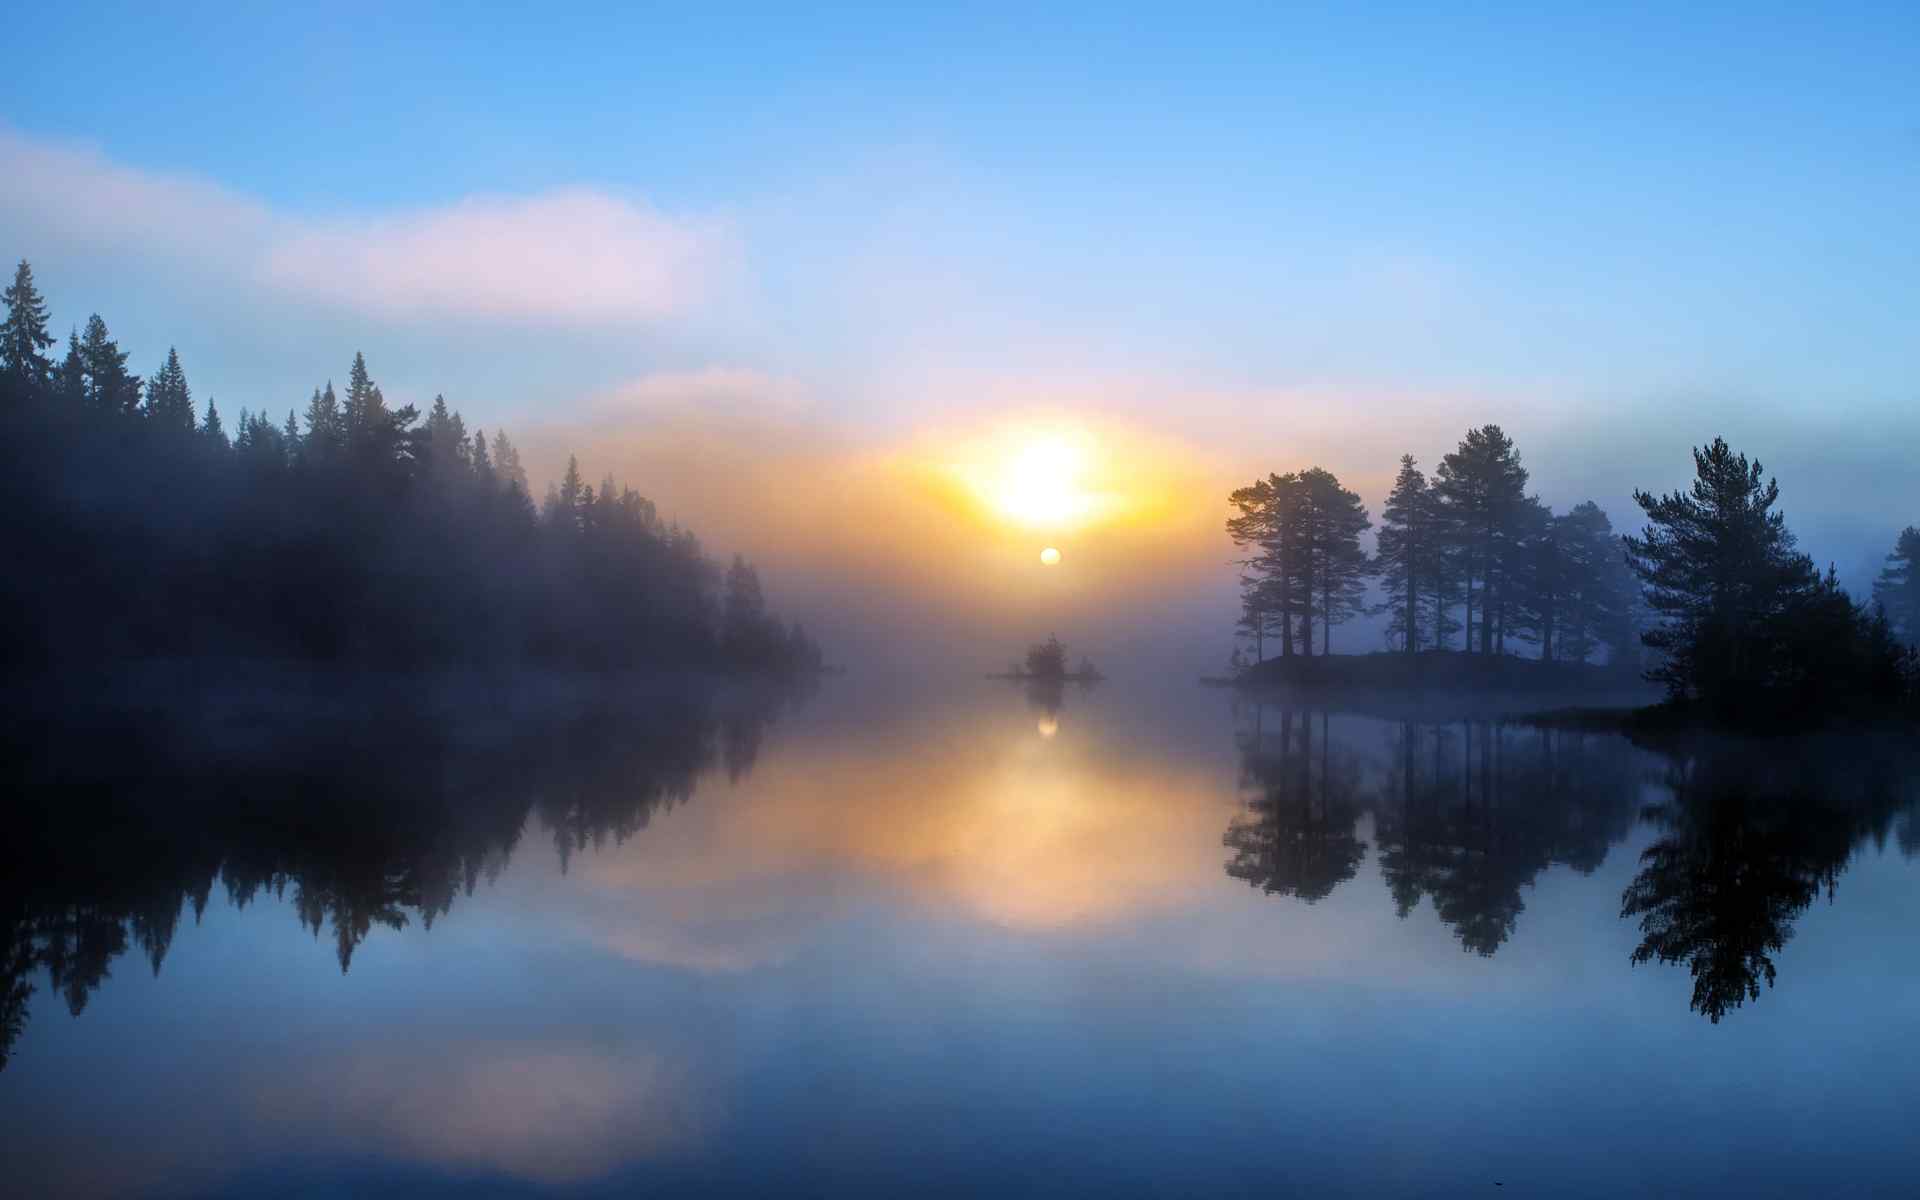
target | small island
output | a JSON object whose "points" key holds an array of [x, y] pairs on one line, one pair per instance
{"points": [[1046, 662]]}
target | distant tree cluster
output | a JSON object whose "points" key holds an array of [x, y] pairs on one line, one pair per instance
{"points": [[1467, 554], [352, 532]]}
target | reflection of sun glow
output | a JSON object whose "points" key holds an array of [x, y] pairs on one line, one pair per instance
{"points": [[1049, 725]]}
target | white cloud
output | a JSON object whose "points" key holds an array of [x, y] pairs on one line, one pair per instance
{"points": [[572, 256]]}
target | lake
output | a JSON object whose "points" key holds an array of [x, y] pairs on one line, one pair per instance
{"points": [[894, 940]]}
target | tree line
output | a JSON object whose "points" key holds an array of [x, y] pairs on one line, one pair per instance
{"points": [[1465, 559], [354, 531], [1734, 614]]}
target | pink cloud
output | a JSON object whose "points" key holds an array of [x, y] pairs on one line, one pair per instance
{"points": [[567, 256]]}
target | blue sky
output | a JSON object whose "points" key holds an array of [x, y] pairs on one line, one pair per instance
{"points": [[1266, 233]]}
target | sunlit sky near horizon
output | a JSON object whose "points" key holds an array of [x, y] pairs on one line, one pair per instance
{"points": [[826, 243]]}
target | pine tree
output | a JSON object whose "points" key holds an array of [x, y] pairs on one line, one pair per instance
{"points": [[571, 491], [24, 338], [1336, 568], [1897, 590], [506, 461], [1720, 569], [1266, 525], [1482, 487], [169, 399], [70, 381], [325, 432], [482, 465], [359, 402], [1408, 555], [210, 431], [111, 388]]}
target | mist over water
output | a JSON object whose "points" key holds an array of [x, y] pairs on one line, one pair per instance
{"points": [[951, 937]]}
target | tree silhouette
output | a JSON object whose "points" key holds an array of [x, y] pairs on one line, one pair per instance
{"points": [[1334, 569], [1408, 557], [24, 338], [1897, 590], [1749, 630], [1482, 490]]}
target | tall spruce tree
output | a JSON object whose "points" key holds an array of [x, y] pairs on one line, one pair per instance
{"points": [[24, 338], [111, 388], [169, 399], [211, 431], [70, 378], [326, 432]]}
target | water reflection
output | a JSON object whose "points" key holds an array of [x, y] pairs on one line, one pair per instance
{"points": [[1467, 815], [918, 914], [370, 818], [1750, 837]]}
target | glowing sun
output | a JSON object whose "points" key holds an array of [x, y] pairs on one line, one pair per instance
{"points": [[1039, 484], [1049, 557]]}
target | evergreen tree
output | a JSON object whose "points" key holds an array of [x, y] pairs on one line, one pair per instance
{"points": [[1897, 590], [1408, 556], [482, 465], [1334, 569], [326, 432], [169, 399], [1722, 573], [70, 381], [211, 431], [506, 461], [1482, 487], [24, 338], [1266, 525], [570, 495], [357, 412], [111, 388]]}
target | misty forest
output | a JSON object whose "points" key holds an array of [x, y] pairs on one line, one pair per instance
{"points": [[350, 532]]}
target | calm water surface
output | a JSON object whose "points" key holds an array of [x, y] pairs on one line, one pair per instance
{"points": [[888, 943]]}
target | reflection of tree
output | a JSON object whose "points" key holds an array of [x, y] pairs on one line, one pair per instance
{"points": [[1752, 836], [1297, 837], [363, 824], [1471, 815]]}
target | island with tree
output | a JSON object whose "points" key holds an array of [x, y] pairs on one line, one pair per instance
{"points": [[1484, 587], [1046, 662]]}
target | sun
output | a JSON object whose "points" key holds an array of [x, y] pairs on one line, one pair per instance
{"points": [[1039, 484], [1049, 557]]}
